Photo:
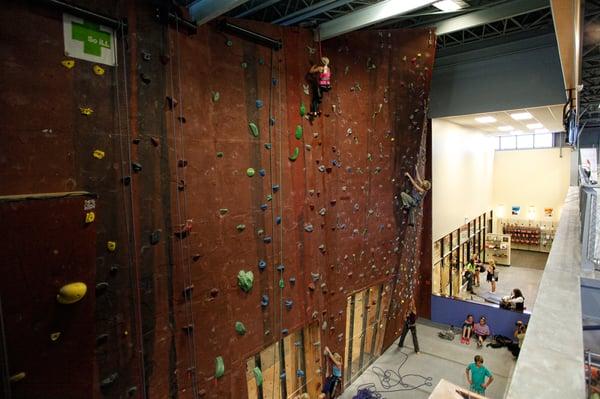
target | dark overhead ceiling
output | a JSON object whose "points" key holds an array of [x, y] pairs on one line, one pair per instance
{"points": [[589, 98]]}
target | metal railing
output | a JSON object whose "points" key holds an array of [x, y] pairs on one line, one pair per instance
{"points": [[592, 370], [589, 211]]}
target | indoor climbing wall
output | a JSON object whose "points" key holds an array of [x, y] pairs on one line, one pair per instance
{"points": [[278, 218]]}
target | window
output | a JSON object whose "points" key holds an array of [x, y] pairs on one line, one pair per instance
{"points": [[508, 142], [298, 355], [543, 140], [524, 142]]}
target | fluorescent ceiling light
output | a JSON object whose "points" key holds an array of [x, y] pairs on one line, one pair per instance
{"points": [[544, 130], [532, 126], [506, 128], [485, 119], [521, 116], [450, 5], [516, 132]]}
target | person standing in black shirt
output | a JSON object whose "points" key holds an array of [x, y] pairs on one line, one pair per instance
{"points": [[410, 323]]}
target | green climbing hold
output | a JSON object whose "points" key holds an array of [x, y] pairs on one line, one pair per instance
{"points": [[258, 376], [216, 96], [250, 172], [294, 156], [240, 328], [302, 109], [220, 154], [281, 283], [299, 132], [219, 367], [245, 280], [253, 129], [269, 197]]}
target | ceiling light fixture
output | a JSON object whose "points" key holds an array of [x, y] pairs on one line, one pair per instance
{"points": [[544, 130], [485, 119], [532, 126], [516, 132], [450, 5], [506, 128], [521, 116]]}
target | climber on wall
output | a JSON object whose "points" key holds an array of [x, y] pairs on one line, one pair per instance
{"points": [[321, 82], [411, 201], [333, 382]]}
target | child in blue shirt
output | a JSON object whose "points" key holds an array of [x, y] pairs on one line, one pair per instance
{"points": [[478, 372]]}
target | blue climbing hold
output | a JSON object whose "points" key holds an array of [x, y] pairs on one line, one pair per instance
{"points": [[267, 240], [275, 188], [264, 207], [300, 373], [289, 303], [308, 228], [262, 264], [264, 301], [282, 376], [259, 104], [278, 220], [292, 280], [274, 81], [262, 172], [284, 332], [281, 268]]}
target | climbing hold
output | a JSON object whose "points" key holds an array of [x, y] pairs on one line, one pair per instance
{"points": [[300, 373], [278, 220], [171, 102], [90, 217], [272, 121], [17, 377], [322, 211], [253, 129], [315, 276], [308, 228], [292, 280], [245, 280], [214, 292], [187, 291], [126, 180], [260, 232], [302, 109], [250, 172], [98, 154], [281, 283], [131, 391], [71, 293], [289, 303], [244, 65], [305, 89], [269, 197], [298, 133], [111, 246], [181, 119], [262, 172], [98, 70], [261, 61], [294, 156], [268, 146], [229, 43], [145, 78], [219, 367], [101, 287], [196, 257], [321, 168], [262, 264], [264, 301], [240, 328], [281, 268], [137, 167], [220, 154], [240, 227], [267, 240], [258, 376], [86, 111], [68, 63], [264, 207], [284, 332], [223, 211], [274, 82], [155, 237], [155, 141], [101, 339], [311, 286], [322, 248], [146, 55], [259, 104], [275, 188], [55, 336], [216, 96]]}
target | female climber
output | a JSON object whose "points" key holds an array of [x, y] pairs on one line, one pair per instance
{"points": [[320, 84], [333, 382], [411, 201]]}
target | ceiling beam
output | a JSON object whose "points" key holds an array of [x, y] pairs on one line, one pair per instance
{"points": [[321, 10], [260, 6], [370, 15], [488, 15], [203, 11]]}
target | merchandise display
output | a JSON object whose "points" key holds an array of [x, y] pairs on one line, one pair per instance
{"points": [[529, 235], [498, 248]]}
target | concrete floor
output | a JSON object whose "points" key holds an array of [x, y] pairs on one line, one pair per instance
{"points": [[438, 359]]}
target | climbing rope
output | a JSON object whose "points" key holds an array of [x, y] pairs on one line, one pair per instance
{"points": [[182, 217], [134, 273]]}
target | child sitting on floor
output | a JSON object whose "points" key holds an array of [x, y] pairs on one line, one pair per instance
{"points": [[467, 330]]}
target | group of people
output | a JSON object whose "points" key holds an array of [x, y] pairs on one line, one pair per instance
{"points": [[474, 268], [480, 330]]}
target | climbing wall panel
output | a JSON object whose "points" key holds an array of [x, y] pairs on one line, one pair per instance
{"points": [[50, 245]]}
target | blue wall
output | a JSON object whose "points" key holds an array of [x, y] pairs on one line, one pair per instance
{"points": [[453, 312], [504, 76]]}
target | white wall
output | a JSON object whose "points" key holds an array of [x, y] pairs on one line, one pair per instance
{"points": [[525, 178], [463, 161]]}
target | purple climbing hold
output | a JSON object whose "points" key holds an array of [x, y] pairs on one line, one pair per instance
{"points": [[278, 220], [264, 207], [262, 172], [259, 104], [264, 301], [262, 264], [267, 240]]}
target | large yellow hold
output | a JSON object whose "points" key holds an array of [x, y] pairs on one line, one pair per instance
{"points": [[71, 293]]}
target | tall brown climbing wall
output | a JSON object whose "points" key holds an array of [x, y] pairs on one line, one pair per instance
{"points": [[311, 230]]}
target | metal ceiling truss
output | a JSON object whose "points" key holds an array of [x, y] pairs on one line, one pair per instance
{"points": [[589, 98]]}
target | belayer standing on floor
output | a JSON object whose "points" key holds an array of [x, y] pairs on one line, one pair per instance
{"points": [[410, 324], [478, 372], [411, 201]]}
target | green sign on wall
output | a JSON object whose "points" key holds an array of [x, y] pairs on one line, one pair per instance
{"points": [[88, 41]]}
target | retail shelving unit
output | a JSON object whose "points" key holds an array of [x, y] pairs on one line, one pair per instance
{"points": [[498, 248], [529, 235]]}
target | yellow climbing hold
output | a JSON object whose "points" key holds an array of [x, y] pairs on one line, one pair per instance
{"points": [[90, 217], [86, 111], [111, 246], [98, 70], [17, 377], [71, 293], [98, 154], [68, 63], [54, 336]]}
